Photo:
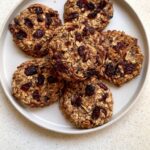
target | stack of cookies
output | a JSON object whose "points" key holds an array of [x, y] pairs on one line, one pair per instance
{"points": [[72, 61]]}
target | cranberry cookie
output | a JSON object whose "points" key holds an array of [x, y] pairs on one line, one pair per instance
{"points": [[95, 13], [35, 84], [75, 54], [87, 104], [33, 29], [124, 58]]}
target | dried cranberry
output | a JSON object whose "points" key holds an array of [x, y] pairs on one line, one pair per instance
{"points": [[77, 101], [104, 96], [31, 70], [81, 3], [102, 4], [78, 36], [26, 87], [60, 67], [129, 68], [67, 43], [48, 19], [81, 51], [21, 35], [37, 47], [90, 6], [96, 113], [38, 10], [52, 79], [71, 28], [90, 73], [88, 30], [92, 15], [110, 70], [89, 90], [40, 80], [38, 34], [16, 21], [72, 16], [103, 86], [40, 18], [28, 23], [119, 46], [36, 95]]}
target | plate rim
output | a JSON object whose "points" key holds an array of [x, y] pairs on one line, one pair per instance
{"points": [[122, 114]]}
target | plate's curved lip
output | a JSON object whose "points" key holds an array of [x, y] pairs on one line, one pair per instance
{"points": [[79, 131]]}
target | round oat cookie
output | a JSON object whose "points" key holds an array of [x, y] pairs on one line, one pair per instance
{"points": [[75, 54], [87, 104], [33, 29], [95, 13], [35, 84], [123, 59]]}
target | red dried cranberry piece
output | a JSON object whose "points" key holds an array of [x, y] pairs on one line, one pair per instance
{"points": [[68, 43], [88, 30], [16, 21], [89, 90], [37, 47], [90, 6], [119, 46], [40, 80], [48, 19], [78, 36], [60, 67], [26, 87], [102, 4], [38, 34], [129, 68], [81, 51], [28, 23], [72, 16], [81, 3], [36, 95], [52, 79], [96, 113], [90, 73], [104, 96], [40, 18], [31, 70], [103, 86], [21, 35], [77, 101], [38, 10], [92, 15], [110, 70]]}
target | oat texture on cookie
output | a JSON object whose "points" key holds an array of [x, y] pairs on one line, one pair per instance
{"points": [[124, 58], [76, 53], [33, 29], [95, 13], [87, 104], [35, 84]]}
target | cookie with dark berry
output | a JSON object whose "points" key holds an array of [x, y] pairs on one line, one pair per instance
{"points": [[94, 13], [87, 104], [35, 84], [33, 29]]}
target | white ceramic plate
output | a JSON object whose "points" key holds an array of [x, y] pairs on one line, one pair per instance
{"points": [[50, 117]]}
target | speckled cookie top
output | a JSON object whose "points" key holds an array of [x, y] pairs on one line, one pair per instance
{"points": [[87, 104], [95, 13], [33, 28], [75, 53], [123, 57], [35, 84]]}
